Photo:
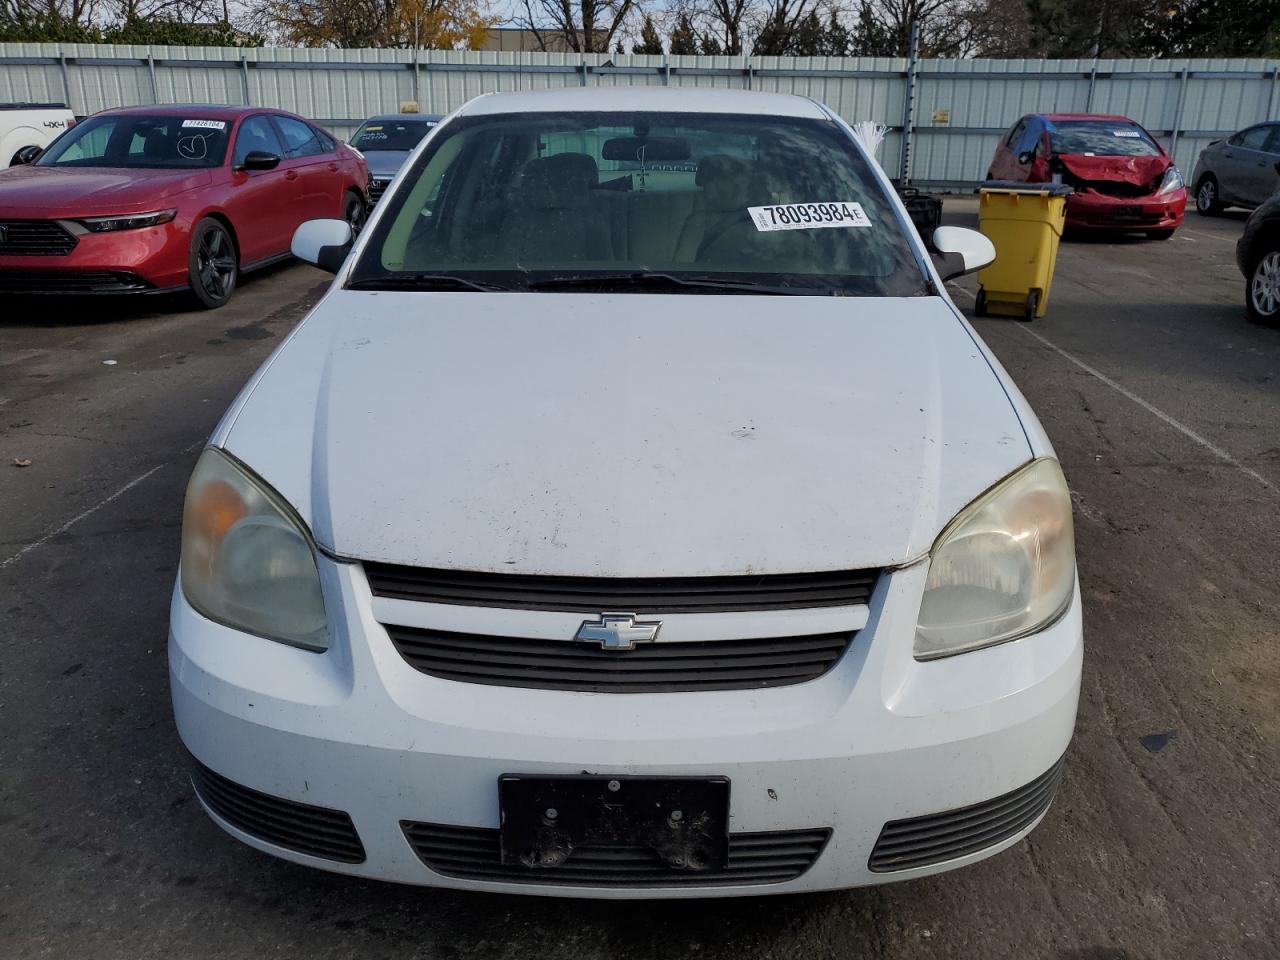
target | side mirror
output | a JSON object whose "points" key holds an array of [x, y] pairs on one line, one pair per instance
{"points": [[25, 156], [961, 251], [1026, 156], [324, 243], [259, 160]]}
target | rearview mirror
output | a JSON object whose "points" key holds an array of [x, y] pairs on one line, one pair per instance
{"points": [[259, 160], [25, 156], [323, 243], [961, 251], [648, 149]]}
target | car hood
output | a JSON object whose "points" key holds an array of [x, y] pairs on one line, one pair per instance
{"points": [[1138, 171], [65, 192], [385, 163], [628, 435]]}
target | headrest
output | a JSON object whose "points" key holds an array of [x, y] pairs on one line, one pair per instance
{"points": [[560, 182], [726, 182]]}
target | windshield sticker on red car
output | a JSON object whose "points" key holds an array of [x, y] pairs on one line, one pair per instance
{"points": [[206, 124], [1126, 133], [809, 216]]}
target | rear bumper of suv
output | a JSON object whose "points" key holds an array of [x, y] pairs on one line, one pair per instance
{"points": [[883, 768]]}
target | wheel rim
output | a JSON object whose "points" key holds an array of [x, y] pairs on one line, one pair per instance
{"points": [[1264, 290], [216, 264], [355, 216], [1205, 197]]}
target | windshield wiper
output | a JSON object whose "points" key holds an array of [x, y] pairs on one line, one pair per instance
{"points": [[660, 281], [422, 281]]}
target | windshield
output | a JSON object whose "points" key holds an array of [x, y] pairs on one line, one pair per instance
{"points": [[131, 142], [401, 135], [695, 202], [1100, 138]]}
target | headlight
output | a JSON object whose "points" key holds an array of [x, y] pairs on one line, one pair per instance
{"points": [[131, 221], [247, 560], [1171, 182], [1003, 568]]}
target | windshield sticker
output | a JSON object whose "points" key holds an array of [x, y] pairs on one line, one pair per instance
{"points": [[809, 216], [206, 124], [1126, 133]]}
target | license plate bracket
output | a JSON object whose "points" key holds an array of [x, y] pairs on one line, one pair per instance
{"points": [[683, 820]]}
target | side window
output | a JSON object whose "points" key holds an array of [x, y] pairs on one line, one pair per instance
{"points": [[1273, 144], [256, 133], [326, 141], [1254, 138], [1015, 135], [300, 139]]}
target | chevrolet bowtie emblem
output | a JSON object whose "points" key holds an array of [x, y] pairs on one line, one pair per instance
{"points": [[618, 631]]}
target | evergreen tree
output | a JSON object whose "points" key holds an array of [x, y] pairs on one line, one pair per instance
{"points": [[650, 42], [711, 46], [684, 39]]}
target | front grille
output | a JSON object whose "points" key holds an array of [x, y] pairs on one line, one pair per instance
{"points": [[315, 831], [779, 591], [648, 668], [34, 238], [71, 281], [474, 853], [922, 841], [377, 188]]}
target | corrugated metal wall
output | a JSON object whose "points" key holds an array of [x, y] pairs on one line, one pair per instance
{"points": [[957, 107]]}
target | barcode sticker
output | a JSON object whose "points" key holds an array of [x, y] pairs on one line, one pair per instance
{"points": [[809, 216]]}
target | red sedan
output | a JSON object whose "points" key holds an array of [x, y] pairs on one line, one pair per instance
{"points": [[1123, 178], [164, 198]]}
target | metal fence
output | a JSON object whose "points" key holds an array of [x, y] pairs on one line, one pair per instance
{"points": [[943, 115]]}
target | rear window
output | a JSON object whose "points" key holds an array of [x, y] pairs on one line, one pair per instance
{"points": [[1100, 138], [513, 199], [141, 142], [398, 135]]}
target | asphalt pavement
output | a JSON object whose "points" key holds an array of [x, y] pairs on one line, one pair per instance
{"points": [[1164, 405]]}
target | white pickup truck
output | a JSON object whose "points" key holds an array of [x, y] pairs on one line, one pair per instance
{"points": [[25, 125]]}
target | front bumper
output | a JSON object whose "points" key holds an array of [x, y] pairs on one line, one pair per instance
{"points": [[147, 260], [879, 738], [1087, 208]]}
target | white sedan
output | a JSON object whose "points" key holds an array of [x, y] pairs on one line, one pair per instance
{"points": [[636, 516]]}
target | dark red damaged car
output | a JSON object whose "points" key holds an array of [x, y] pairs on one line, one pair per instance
{"points": [[1123, 178], [171, 197]]}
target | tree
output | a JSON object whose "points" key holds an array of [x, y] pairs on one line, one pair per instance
{"points": [[729, 19], [442, 24], [583, 26], [711, 46], [684, 39], [650, 42]]}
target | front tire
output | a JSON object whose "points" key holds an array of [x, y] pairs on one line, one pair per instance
{"points": [[355, 211], [1208, 201], [213, 266], [1262, 289]]}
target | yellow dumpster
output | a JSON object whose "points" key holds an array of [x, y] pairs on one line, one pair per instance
{"points": [[1024, 222]]}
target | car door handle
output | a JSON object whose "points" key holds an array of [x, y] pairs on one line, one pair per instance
{"points": [[291, 175], [333, 168]]}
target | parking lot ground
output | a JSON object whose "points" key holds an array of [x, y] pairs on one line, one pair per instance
{"points": [[1164, 406]]}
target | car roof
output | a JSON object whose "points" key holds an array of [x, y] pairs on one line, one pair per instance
{"points": [[668, 99], [209, 110], [410, 117], [1108, 117]]}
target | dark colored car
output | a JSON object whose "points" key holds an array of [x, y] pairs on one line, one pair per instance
{"points": [[1122, 177], [1241, 171], [386, 143], [172, 197], [1258, 253]]}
